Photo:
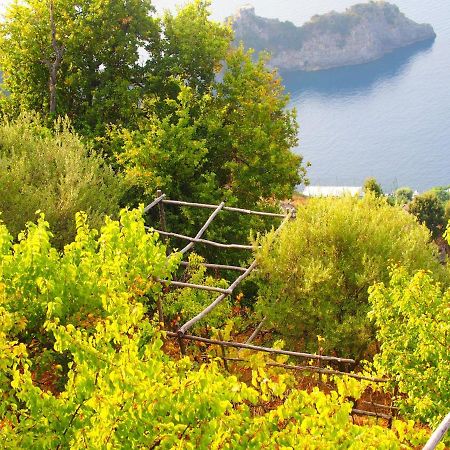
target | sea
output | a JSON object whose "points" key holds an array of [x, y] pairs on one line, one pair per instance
{"points": [[389, 119]]}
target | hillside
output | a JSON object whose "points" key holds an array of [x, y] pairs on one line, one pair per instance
{"points": [[363, 33]]}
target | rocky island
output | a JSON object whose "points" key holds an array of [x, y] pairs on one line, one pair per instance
{"points": [[363, 33]]}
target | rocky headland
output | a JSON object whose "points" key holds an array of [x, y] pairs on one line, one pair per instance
{"points": [[363, 33]]}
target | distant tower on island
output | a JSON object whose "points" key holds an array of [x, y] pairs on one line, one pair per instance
{"points": [[245, 10]]}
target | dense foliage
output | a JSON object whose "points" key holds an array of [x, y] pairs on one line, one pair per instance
{"points": [[52, 171], [82, 365], [371, 186], [402, 196], [315, 275], [192, 115], [183, 304], [98, 77], [412, 316], [429, 210]]}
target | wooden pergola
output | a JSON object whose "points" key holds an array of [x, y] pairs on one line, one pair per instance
{"points": [[243, 272]]}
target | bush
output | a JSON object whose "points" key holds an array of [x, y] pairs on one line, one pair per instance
{"points": [[403, 196], [117, 388], [373, 187], [37, 281], [52, 172], [412, 315], [447, 212], [429, 210], [314, 280]]}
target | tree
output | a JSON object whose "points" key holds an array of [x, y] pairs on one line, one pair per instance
{"points": [[413, 325], [447, 212], [429, 211], [53, 171], [83, 53], [192, 48], [403, 196], [371, 185], [314, 277]]}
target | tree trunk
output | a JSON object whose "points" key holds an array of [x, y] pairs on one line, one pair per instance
{"points": [[56, 63]]}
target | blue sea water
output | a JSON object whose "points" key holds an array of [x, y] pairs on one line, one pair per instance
{"points": [[389, 119]]}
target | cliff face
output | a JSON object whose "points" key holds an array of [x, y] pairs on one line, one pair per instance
{"points": [[362, 33]]}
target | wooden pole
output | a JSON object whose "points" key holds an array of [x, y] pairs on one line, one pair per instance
{"points": [[255, 333], [162, 215], [316, 369], [202, 241], [201, 287], [160, 309], [217, 266], [204, 228], [262, 349], [439, 434], [224, 353], [154, 203], [360, 412], [226, 208]]}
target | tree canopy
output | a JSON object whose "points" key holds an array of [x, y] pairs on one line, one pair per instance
{"points": [[95, 47], [315, 277]]}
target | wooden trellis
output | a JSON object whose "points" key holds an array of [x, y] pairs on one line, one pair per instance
{"points": [[182, 333]]}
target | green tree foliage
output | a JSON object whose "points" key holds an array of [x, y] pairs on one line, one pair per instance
{"points": [[447, 212], [52, 171], [192, 48], [198, 118], [429, 210], [442, 193], [372, 186], [116, 387], [403, 196], [99, 78], [314, 277], [412, 316]]}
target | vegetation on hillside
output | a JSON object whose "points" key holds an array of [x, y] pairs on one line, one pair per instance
{"points": [[90, 125], [82, 365], [314, 277], [53, 171]]}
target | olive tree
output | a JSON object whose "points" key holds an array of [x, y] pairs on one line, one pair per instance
{"points": [[314, 277]]}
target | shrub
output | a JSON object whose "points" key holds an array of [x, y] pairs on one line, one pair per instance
{"points": [[403, 195], [372, 186], [52, 172], [447, 212], [412, 315], [117, 388], [37, 281], [429, 210], [315, 278]]}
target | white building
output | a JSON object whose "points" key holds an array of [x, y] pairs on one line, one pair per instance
{"points": [[332, 191]]}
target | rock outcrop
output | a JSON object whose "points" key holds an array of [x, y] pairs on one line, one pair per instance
{"points": [[363, 33]]}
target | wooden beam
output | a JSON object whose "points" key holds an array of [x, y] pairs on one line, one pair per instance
{"points": [[203, 228], [261, 349], [360, 412], [439, 434], [196, 286], [316, 369], [217, 266], [154, 203], [202, 241], [226, 208]]}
